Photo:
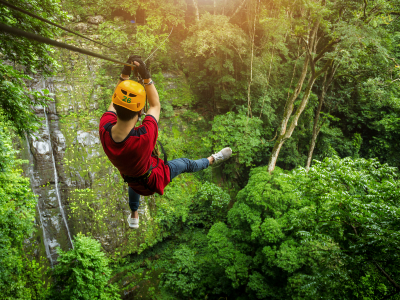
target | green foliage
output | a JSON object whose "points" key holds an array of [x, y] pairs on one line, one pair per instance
{"points": [[331, 233], [34, 56], [160, 17], [190, 271], [120, 38], [185, 275], [173, 206], [356, 208], [20, 57], [216, 36], [165, 99], [219, 46], [16, 100], [208, 206], [83, 272], [244, 135], [323, 234], [19, 277]]}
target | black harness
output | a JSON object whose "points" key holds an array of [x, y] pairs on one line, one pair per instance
{"points": [[143, 179]]}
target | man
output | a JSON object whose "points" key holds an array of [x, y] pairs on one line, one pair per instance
{"points": [[130, 148]]}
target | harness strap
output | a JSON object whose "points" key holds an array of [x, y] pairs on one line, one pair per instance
{"points": [[143, 179], [164, 153]]}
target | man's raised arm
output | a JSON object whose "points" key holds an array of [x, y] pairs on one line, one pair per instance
{"points": [[151, 91], [125, 74]]}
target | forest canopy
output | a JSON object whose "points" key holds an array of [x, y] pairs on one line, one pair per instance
{"points": [[306, 93]]}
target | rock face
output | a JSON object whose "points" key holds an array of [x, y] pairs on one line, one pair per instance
{"points": [[82, 27], [76, 18], [44, 150], [96, 20], [69, 166]]}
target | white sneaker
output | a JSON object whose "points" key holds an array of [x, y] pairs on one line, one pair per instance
{"points": [[222, 155], [132, 222]]}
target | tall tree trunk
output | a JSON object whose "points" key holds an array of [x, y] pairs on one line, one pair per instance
{"points": [[285, 133], [252, 35], [317, 127], [293, 123], [238, 8], [196, 10], [269, 75]]}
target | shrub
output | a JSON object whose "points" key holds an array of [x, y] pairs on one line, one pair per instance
{"points": [[208, 206], [83, 273]]}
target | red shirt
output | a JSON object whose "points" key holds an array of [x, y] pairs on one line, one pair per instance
{"points": [[132, 156]]}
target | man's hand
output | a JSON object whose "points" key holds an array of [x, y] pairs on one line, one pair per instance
{"points": [[127, 69], [141, 67]]}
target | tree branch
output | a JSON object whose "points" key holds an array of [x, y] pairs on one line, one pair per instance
{"points": [[276, 134], [326, 49], [365, 7], [324, 69], [395, 285], [237, 9], [312, 41], [196, 8], [312, 65]]}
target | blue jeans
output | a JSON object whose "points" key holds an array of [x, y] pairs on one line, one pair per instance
{"points": [[176, 167]]}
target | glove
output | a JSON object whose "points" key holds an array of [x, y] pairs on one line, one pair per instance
{"points": [[127, 69], [141, 69]]}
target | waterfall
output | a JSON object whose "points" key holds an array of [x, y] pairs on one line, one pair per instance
{"points": [[46, 244], [56, 180]]}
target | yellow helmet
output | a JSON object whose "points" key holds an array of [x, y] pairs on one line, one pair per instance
{"points": [[130, 94]]}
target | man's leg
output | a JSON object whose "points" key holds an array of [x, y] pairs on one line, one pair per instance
{"points": [[134, 199], [185, 165]]}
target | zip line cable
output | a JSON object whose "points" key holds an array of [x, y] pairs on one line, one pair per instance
{"points": [[158, 46], [49, 22], [41, 39]]}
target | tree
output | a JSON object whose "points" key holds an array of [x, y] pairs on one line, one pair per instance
{"points": [[308, 36], [329, 233], [244, 136], [326, 31], [21, 57], [19, 277], [34, 56], [321, 99], [83, 272]]}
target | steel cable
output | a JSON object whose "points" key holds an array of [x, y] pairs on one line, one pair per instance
{"points": [[51, 23], [45, 40]]}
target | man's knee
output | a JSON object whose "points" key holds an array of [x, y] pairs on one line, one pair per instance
{"points": [[186, 164], [191, 166]]}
